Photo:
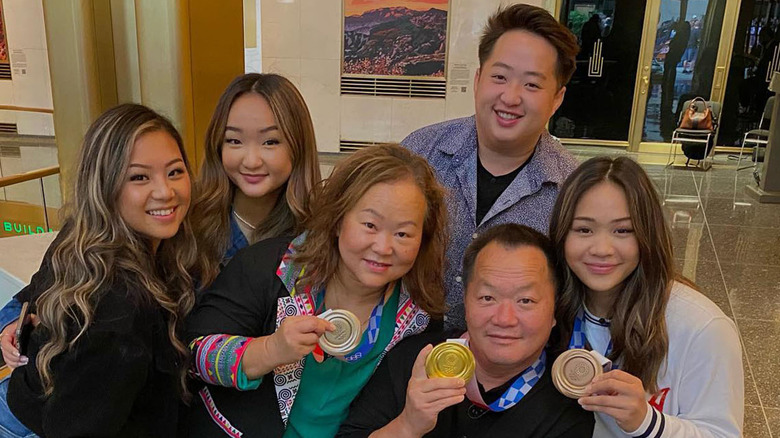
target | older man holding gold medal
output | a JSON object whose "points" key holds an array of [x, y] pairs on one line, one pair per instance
{"points": [[496, 378]]}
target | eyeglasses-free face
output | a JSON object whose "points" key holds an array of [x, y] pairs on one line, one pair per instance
{"points": [[155, 194]]}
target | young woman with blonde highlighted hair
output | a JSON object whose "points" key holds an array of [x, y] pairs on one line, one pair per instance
{"points": [[678, 357], [374, 248], [259, 167], [113, 289]]}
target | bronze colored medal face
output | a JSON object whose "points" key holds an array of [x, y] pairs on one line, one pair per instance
{"points": [[346, 336], [579, 371], [573, 371], [450, 359]]}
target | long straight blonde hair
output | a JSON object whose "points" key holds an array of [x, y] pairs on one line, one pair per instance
{"points": [[96, 243], [638, 327], [214, 190]]}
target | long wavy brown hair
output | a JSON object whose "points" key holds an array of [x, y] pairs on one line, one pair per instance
{"points": [[638, 328], [97, 243], [214, 191], [338, 194]]}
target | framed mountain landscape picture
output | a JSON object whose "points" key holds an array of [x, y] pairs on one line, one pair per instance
{"points": [[395, 37]]}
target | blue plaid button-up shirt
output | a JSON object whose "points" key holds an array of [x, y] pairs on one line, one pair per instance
{"points": [[451, 149]]}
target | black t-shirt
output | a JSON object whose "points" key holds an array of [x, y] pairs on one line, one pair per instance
{"points": [[542, 413], [490, 187]]}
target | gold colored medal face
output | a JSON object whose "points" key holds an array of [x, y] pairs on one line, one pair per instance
{"points": [[450, 359], [573, 371]]}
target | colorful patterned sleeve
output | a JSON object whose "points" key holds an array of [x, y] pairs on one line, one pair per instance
{"points": [[217, 361]]}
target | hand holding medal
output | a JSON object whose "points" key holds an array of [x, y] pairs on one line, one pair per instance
{"points": [[426, 397], [619, 395], [585, 375], [296, 337]]}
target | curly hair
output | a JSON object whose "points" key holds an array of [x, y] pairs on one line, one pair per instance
{"points": [[338, 194], [97, 243]]}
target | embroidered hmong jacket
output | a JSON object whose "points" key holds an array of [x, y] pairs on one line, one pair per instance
{"points": [[252, 295]]}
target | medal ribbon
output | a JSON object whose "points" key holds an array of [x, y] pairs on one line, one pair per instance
{"points": [[578, 339], [512, 396]]}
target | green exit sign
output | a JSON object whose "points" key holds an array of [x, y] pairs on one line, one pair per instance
{"points": [[17, 228]]}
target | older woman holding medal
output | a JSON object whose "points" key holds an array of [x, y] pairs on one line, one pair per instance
{"points": [[289, 332], [493, 380], [677, 356]]}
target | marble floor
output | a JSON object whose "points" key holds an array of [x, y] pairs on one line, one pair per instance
{"points": [[729, 244]]}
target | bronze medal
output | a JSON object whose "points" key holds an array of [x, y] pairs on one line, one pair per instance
{"points": [[573, 371]]}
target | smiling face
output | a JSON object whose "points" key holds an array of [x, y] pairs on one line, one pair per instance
{"points": [[379, 238], [255, 155], [155, 193], [516, 91], [601, 247], [510, 303]]}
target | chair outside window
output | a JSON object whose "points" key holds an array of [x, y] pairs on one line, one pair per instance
{"points": [[758, 137], [704, 137]]}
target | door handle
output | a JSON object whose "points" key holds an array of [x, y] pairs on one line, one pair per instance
{"points": [[719, 74]]}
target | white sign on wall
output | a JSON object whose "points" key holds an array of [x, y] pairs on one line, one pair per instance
{"points": [[18, 62], [460, 77]]}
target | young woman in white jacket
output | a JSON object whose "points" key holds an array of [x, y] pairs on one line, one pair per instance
{"points": [[678, 368]]}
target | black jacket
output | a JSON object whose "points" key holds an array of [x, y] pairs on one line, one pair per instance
{"points": [[120, 379], [542, 413], [242, 301]]}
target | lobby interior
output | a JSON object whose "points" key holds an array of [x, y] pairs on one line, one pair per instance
{"points": [[68, 61]]}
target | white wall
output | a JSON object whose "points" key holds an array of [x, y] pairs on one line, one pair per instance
{"points": [[26, 36], [253, 57], [301, 39]]}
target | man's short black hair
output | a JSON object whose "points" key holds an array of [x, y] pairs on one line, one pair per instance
{"points": [[511, 236], [537, 21]]}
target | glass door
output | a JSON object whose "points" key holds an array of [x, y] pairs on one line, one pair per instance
{"points": [[599, 98], [754, 57], [683, 62], [639, 61]]}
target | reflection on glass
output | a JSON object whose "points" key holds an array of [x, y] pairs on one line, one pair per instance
{"points": [[754, 58], [599, 96], [683, 65]]}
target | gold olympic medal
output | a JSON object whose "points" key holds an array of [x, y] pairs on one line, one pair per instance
{"points": [[573, 371], [346, 336], [450, 359]]}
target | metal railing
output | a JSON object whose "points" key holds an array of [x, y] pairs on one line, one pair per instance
{"points": [[38, 174], [26, 109]]}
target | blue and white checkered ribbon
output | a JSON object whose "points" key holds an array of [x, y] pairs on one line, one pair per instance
{"points": [[512, 396], [372, 332], [578, 339]]}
